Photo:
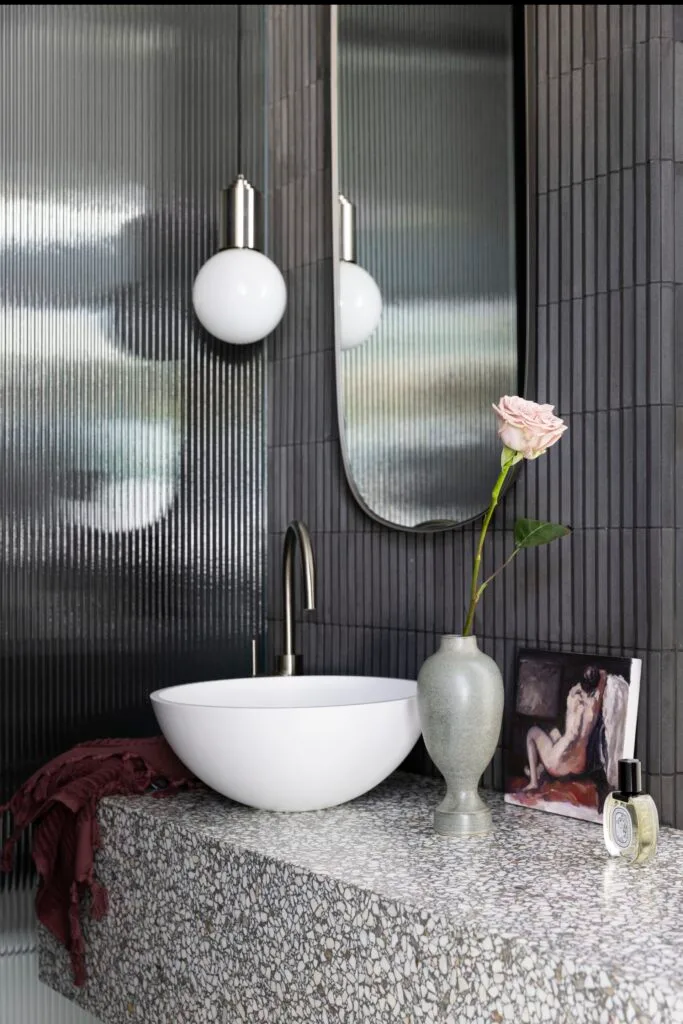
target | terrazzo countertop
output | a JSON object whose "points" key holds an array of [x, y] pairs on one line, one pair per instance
{"points": [[360, 913]]}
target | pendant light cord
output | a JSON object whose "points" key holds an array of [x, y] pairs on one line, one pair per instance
{"points": [[240, 154]]}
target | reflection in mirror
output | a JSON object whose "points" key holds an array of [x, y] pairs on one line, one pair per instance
{"points": [[427, 325]]}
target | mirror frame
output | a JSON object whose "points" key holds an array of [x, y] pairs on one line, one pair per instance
{"points": [[524, 42]]}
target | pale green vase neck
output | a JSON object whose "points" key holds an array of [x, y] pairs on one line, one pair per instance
{"points": [[462, 644]]}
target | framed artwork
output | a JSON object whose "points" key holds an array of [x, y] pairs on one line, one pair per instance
{"points": [[574, 716]]}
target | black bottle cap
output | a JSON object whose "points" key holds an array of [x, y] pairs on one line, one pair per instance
{"points": [[630, 783]]}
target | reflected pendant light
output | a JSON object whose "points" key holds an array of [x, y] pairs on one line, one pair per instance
{"points": [[360, 300], [239, 295]]}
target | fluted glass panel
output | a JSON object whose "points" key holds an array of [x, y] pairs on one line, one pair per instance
{"points": [[131, 520], [427, 157]]}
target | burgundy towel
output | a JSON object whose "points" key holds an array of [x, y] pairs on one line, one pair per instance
{"points": [[62, 798]]}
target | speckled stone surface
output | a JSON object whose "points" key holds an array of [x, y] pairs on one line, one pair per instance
{"points": [[361, 914]]}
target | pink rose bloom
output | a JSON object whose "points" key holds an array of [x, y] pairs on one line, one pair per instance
{"points": [[527, 427]]}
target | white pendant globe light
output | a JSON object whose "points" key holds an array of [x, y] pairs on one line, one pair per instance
{"points": [[360, 300], [239, 295]]}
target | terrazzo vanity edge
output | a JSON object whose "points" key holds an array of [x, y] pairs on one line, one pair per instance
{"points": [[203, 930]]}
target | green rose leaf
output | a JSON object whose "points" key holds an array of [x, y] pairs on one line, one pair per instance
{"points": [[530, 533]]}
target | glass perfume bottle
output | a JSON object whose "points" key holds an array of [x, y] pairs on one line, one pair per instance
{"points": [[630, 821]]}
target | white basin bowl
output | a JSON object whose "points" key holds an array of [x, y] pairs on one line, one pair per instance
{"points": [[290, 744]]}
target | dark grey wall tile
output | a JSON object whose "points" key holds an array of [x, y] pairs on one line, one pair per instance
{"points": [[627, 26], [601, 31], [641, 22], [552, 142], [542, 248], [641, 103], [589, 32], [602, 235], [303, 220], [641, 346], [668, 798], [577, 120], [678, 222], [678, 739], [578, 34], [627, 108], [552, 15], [565, 229], [654, 99], [602, 97], [589, 122], [298, 138], [565, 139], [677, 473], [565, 28], [654, 318], [590, 221], [614, 14], [615, 224], [678, 95], [310, 305], [667, 457], [667, 20], [542, 43], [630, 590], [627, 228], [653, 695], [667, 99], [615, 117], [554, 250], [542, 132]]}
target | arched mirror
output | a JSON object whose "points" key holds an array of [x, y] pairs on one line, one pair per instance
{"points": [[431, 213]]}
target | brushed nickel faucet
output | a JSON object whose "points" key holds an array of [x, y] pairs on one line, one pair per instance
{"points": [[289, 663]]}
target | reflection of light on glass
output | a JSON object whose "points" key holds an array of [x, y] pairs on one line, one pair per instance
{"points": [[28, 221], [119, 505], [66, 335], [91, 435], [120, 472]]}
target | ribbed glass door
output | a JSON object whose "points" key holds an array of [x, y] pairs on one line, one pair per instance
{"points": [[131, 462]]}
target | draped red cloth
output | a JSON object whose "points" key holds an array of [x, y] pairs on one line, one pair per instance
{"points": [[61, 800]]}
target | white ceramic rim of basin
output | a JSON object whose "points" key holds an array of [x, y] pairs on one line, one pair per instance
{"points": [[248, 686]]}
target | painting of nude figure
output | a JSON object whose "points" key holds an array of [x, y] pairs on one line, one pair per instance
{"points": [[574, 717]]}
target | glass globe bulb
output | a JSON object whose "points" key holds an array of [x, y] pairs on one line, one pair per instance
{"points": [[239, 296], [360, 304]]}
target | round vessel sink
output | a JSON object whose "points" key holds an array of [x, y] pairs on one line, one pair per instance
{"points": [[291, 743]]}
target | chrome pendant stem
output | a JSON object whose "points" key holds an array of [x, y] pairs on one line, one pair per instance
{"points": [[241, 219]]}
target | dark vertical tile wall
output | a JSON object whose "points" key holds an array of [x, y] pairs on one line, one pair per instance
{"points": [[607, 113]]}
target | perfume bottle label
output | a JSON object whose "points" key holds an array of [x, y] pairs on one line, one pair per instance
{"points": [[622, 828]]}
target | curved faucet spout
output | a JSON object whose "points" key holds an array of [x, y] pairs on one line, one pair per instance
{"points": [[289, 663]]}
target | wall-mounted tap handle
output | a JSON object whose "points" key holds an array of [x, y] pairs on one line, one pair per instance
{"points": [[254, 655]]}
